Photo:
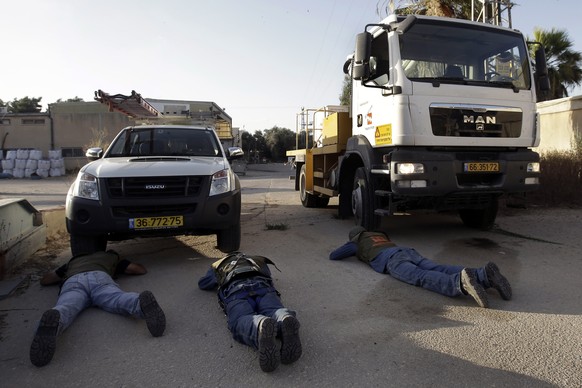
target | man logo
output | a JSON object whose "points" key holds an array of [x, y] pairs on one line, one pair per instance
{"points": [[479, 119], [155, 187]]}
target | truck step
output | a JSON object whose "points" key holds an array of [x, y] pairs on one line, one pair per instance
{"points": [[383, 193], [382, 212]]}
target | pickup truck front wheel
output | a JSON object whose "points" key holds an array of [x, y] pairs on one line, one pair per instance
{"points": [[82, 244], [228, 240]]}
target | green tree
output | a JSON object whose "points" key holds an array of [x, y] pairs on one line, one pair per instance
{"points": [[346, 95], [74, 99], [564, 63], [278, 141], [25, 105], [254, 146], [460, 9]]}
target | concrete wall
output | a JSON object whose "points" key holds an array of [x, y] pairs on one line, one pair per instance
{"points": [[16, 133], [560, 123], [79, 124]]}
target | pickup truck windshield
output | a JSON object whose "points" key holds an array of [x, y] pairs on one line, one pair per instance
{"points": [[165, 142], [466, 54]]}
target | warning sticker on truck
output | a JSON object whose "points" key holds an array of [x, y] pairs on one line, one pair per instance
{"points": [[383, 134]]}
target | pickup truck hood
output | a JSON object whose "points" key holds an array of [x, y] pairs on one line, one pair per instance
{"points": [[155, 166]]}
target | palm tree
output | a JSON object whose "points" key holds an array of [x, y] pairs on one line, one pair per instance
{"points": [[564, 63]]}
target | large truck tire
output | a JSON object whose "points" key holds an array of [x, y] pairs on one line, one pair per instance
{"points": [[307, 200], [362, 201], [83, 244], [483, 219], [228, 240]]}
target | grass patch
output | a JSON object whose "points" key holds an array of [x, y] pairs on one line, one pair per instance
{"points": [[560, 179], [279, 226]]}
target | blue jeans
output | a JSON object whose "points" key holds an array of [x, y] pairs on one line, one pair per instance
{"points": [[409, 266], [245, 311], [94, 288]]}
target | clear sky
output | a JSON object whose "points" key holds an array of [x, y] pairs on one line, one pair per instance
{"points": [[261, 60]]}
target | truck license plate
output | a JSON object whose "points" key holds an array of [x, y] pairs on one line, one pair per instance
{"points": [[156, 222], [481, 167]]}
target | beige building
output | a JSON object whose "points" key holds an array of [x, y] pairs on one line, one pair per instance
{"points": [[73, 127]]}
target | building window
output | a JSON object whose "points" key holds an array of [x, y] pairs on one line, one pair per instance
{"points": [[5, 122], [72, 152], [32, 121]]}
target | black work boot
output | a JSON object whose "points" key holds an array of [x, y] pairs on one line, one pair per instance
{"points": [[44, 343], [471, 286], [498, 281], [290, 342], [153, 313], [268, 352]]}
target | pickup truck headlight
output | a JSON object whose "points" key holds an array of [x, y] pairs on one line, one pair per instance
{"points": [[222, 182], [86, 187]]}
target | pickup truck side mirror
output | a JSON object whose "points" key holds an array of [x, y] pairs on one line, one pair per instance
{"points": [[94, 153], [234, 153]]}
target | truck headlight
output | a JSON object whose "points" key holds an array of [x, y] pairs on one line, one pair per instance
{"points": [[533, 167], [221, 182], [86, 186], [409, 168]]}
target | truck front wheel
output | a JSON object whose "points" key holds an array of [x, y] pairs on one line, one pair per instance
{"points": [[362, 201], [82, 244], [483, 219], [228, 240]]}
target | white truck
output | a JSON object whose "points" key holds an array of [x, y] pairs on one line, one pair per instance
{"points": [[443, 117], [156, 180]]}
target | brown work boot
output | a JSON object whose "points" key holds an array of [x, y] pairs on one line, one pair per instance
{"points": [[268, 352], [471, 286], [498, 281]]}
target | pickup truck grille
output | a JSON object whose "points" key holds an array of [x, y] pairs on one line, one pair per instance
{"points": [[158, 187]]}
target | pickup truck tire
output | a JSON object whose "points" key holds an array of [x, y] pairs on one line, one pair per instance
{"points": [[483, 219], [307, 200], [228, 240], [82, 244], [362, 201]]}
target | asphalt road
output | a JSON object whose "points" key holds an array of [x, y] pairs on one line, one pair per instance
{"points": [[359, 328]]}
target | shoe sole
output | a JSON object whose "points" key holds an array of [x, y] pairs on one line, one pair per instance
{"points": [[268, 353], [291, 344], [44, 343], [153, 313], [498, 281], [474, 289]]}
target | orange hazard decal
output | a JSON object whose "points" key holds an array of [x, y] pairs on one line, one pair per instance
{"points": [[383, 134]]}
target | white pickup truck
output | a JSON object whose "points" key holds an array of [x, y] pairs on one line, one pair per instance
{"points": [[156, 180]]}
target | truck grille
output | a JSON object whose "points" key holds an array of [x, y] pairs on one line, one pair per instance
{"points": [[467, 121], [158, 187]]}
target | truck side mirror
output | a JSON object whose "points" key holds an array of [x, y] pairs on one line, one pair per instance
{"points": [[361, 66], [542, 70]]}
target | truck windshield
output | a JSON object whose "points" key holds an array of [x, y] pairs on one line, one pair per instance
{"points": [[464, 53], [165, 142]]}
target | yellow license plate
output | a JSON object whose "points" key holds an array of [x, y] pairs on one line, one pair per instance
{"points": [[481, 167], [156, 222]]}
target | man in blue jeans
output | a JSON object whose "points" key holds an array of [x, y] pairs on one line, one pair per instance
{"points": [[407, 265], [255, 314], [86, 280]]}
